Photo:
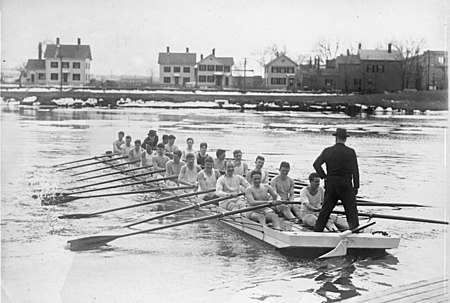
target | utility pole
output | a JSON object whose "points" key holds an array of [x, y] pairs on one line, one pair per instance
{"points": [[245, 70]]}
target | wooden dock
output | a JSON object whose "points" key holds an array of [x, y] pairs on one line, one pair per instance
{"points": [[435, 291]]}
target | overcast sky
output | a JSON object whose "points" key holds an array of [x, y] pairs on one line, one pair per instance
{"points": [[126, 36]]}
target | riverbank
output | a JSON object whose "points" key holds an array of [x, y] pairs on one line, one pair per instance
{"points": [[405, 101]]}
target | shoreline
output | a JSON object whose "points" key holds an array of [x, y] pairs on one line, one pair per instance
{"points": [[272, 101]]}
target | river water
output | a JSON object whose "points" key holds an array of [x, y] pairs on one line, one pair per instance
{"points": [[401, 159]]}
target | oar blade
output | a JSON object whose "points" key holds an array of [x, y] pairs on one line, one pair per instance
{"points": [[77, 216], [90, 242]]}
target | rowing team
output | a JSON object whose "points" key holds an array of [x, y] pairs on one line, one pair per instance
{"points": [[199, 169]]}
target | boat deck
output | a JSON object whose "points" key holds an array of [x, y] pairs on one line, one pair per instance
{"points": [[429, 291]]}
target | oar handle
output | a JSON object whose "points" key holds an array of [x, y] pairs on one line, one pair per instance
{"points": [[196, 205], [413, 219]]}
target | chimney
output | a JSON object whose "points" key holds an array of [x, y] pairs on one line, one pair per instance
{"points": [[348, 52], [40, 51], [79, 41], [201, 56], [359, 46], [214, 51], [168, 49], [318, 62], [310, 62], [389, 47], [187, 50], [57, 41]]}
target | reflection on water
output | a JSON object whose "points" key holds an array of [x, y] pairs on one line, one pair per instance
{"points": [[400, 158]]}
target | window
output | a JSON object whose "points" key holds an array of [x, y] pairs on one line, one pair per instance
{"points": [[202, 67], [76, 65], [370, 68], [65, 64], [291, 70], [210, 79], [369, 81], [357, 82], [441, 60], [76, 77], [210, 68], [328, 82], [41, 76], [278, 81], [227, 81], [219, 68], [54, 76], [54, 64], [166, 69], [186, 69], [380, 68], [176, 69], [227, 68], [202, 79], [186, 79], [283, 69], [167, 79]]}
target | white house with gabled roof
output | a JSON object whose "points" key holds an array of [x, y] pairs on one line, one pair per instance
{"points": [[215, 71], [281, 73], [177, 69]]}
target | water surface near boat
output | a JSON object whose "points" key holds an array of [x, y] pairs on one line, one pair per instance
{"points": [[401, 159]]}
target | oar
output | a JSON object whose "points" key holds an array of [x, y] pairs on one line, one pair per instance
{"points": [[115, 173], [362, 202], [102, 168], [109, 187], [93, 163], [341, 248], [82, 160], [88, 242], [174, 197], [115, 180], [67, 199], [393, 217], [196, 205]]}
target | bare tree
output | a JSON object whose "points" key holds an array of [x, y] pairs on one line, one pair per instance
{"points": [[407, 51], [269, 53], [22, 69], [326, 49]]}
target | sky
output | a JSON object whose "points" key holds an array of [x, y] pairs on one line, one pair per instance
{"points": [[126, 35]]}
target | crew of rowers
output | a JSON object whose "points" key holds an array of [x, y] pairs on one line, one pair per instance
{"points": [[228, 178]]}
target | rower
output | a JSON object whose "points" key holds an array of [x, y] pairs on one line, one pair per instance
{"points": [[136, 153], [170, 147], [201, 154], [240, 167], [189, 171], [230, 185], [159, 160], [259, 163], [207, 179], [146, 157], [189, 149], [284, 187], [258, 194], [118, 142], [219, 162], [127, 146], [173, 167]]}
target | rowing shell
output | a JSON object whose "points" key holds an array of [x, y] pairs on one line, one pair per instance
{"points": [[299, 240]]}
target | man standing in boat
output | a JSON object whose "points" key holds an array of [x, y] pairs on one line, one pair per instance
{"points": [[259, 163], [229, 185], [341, 180], [284, 187], [258, 194]]}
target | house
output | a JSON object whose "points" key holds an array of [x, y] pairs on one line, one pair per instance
{"points": [[281, 73], [63, 64], [319, 77], [432, 70], [381, 70], [177, 69], [214, 72], [349, 73]]}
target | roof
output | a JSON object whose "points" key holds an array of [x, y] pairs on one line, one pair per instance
{"points": [[279, 57], [350, 59], [379, 55], [228, 61], [35, 64], [177, 59], [68, 51]]}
